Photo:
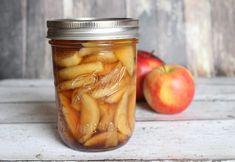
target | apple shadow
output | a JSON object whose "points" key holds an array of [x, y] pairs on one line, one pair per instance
{"points": [[143, 105]]}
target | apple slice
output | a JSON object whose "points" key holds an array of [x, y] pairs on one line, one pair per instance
{"points": [[68, 94], [131, 109], [132, 89], [122, 137], [108, 67], [114, 98], [70, 114], [105, 91], [88, 51], [108, 90], [80, 81], [69, 58], [120, 119], [103, 56], [132, 85], [114, 76], [110, 83], [107, 115], [76, 99], [64, 130], [106, 139], [112, 139], [90, 116], [76, 106], [74, 71], [97, 140], [126, 55]]}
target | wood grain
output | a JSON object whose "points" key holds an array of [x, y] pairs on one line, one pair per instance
{"points": [[26, 94], [49, 83], [161, 28], [33, 101], [82, 8], [198, 110], [38, 54], [198, 37], [30, 93], [145, 12], [34, 112], [26, 83], [35, 40], [223, 36], [204, 132], [55, 12], [171, 31], [12, 39], [194, 140], [101, 8], [107, 8], [45, 112]]}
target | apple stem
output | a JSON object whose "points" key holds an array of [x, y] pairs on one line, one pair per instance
{"points": [[152, 53], [164, 68]]}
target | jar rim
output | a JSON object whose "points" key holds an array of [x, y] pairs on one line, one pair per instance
{"points": [[92, 29]]}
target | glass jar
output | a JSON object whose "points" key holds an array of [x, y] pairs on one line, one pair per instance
{"points": [[94, 71]]}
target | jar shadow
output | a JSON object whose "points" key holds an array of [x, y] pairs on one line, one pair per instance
{"points": [[45, 113]]}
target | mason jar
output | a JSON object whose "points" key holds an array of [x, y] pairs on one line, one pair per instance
{"points": [[94, 63]]}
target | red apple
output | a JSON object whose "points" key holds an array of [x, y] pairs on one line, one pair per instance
{"points": [[146, 62], [169, 89]]}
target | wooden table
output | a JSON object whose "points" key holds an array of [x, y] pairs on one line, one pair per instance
{"points": [[205, 131]]}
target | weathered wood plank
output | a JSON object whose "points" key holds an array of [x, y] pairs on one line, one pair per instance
{"points": [[223, 36], [26, 94], [76, 9], [171, 31], [206, 140], [214, 92], [55, 12], [12, 41], [205, 110], [161, 28], [198, 37], [26, 83], [92, 8], [145, 12], [67, 8], [36, 56], [52, 9], [36, 112], [81, 8], [107, 8], [172, 160], [205, 92], [218, 81]]}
